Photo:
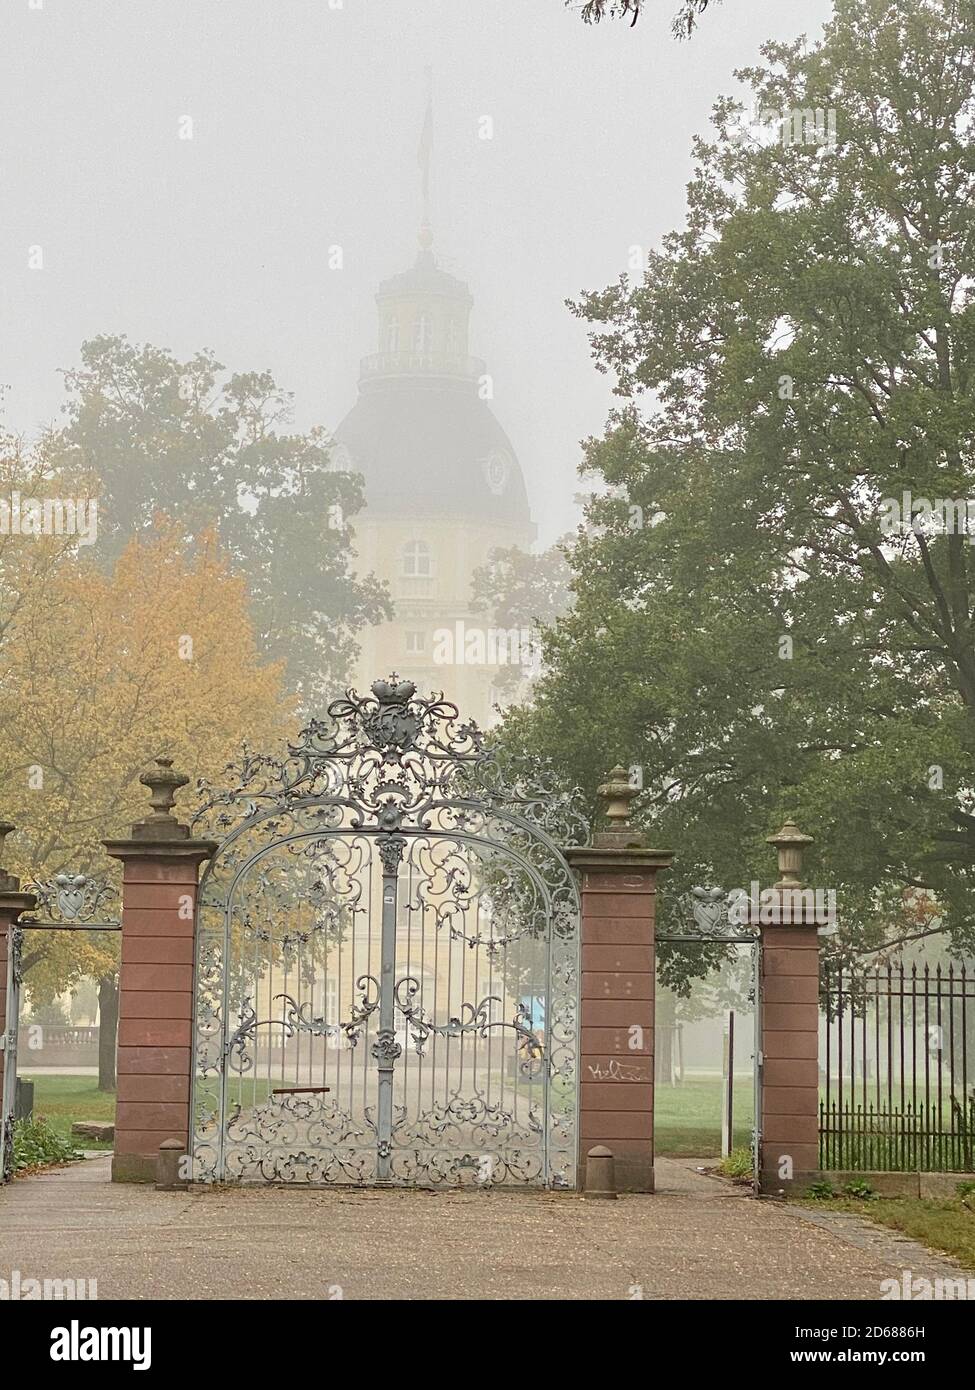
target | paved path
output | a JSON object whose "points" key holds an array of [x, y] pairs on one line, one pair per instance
{"points": [[696, 1238]]}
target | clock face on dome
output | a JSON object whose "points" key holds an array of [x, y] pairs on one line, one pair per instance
{"points": [[497, 467]]}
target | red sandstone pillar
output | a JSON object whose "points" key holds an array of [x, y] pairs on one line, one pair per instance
{"points": [[790, 1025], [155, 1030], [12, 903], [618, 876]]}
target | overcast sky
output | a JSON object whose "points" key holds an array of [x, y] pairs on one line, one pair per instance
{"points": [[306, 121]]}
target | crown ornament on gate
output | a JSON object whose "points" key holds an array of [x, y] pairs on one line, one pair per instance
{"points": [[393, 691], [393, 759], [392, 724]]}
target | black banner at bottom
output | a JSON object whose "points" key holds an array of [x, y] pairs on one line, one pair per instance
{"points": [[146, 1338]]}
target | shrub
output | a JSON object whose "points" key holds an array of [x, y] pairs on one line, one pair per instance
{"points": [[860, 1189], [36, 1145], [821, 1191]]}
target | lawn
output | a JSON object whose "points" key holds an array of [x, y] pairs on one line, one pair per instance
{"points": [[687, 1121], [63, 1099], [687, 1118], [947, 1224]]}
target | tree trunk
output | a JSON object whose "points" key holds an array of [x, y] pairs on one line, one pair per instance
{"points": [[107, 1031], [665, 1049]]}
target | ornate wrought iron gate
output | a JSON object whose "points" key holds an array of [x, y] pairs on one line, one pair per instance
{"points": [[387, 971]]}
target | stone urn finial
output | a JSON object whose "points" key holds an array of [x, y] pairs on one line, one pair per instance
{"points": [[163, 783], [790, 843], [617, 793]]}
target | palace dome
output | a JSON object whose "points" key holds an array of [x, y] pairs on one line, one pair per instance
{"points": [[421, 435]]}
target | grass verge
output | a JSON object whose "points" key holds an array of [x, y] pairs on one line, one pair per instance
{"points": [[61, 1100], [946, 1224]]}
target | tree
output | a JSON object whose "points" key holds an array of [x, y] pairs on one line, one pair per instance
{"points": [[99, 672], [523, 591], [794, 360], [177, 437], [595, 10]]}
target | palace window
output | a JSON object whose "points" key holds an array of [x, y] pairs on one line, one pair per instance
{"points": [[391, 336], [417, 563], [415, 643], [421, 334]]}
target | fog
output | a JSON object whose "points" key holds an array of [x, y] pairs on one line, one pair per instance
{"points": [[306, 120]]}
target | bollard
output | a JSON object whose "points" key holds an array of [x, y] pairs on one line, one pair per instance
{"points": [[171, 1153], [600, 1173], [24, 1101]]}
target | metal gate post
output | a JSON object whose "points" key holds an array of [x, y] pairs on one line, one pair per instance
{"points": [[619, 877], [386, 1049], [12, 903]]}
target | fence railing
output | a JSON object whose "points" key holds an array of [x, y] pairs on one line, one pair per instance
{"points": [[897, 1092], [60, 1036]]}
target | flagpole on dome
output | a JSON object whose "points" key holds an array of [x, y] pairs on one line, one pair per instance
{"points": [[423, 160]]}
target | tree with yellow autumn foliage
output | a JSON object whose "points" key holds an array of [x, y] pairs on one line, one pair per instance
{"points": [[99, 673]]}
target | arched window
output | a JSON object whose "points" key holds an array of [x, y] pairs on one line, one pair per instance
{"points": [[391, 335], [417, 563], [421, 334]]}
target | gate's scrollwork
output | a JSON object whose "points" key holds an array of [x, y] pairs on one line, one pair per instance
{"points": [[387, 970]]}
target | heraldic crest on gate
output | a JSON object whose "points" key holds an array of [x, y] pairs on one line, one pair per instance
{"points": [[387, 958]]}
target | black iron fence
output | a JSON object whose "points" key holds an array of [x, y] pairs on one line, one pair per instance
{"points": [[896, 1089]]}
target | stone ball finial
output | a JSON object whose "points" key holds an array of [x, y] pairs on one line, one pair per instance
{"points": [[791, 844], [163, 783], [618, 793]]}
